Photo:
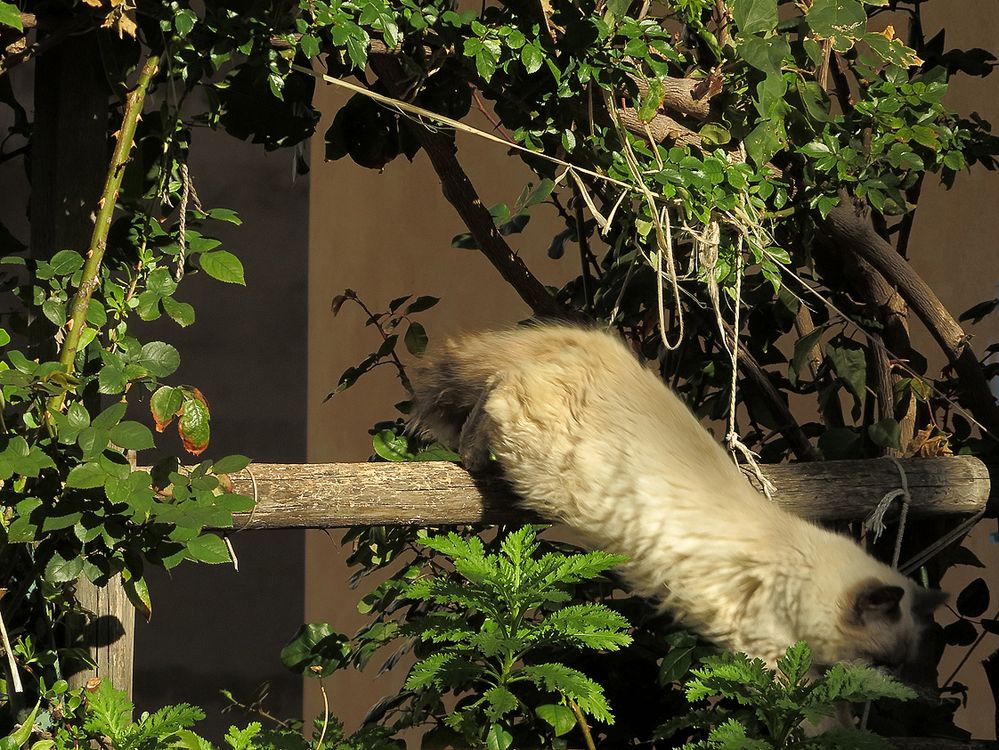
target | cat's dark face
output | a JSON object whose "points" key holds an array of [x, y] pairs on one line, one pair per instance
{"points": [[889, 626]]}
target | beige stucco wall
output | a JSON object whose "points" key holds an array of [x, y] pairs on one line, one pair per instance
{"points": [[388, 234], [954, 246]]}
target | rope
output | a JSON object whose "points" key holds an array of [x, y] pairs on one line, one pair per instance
{"points": [[875, 523], [732, 438], [187, 193]]}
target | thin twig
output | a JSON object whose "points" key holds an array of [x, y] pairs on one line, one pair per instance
{"points": [[584, 251], [15, 675], [484, 111]]}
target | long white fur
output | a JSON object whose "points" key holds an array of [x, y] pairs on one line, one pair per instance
{"points": [[588, 436]]}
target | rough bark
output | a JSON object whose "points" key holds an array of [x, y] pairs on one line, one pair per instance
{"points": [[441, 493], [850, 228]]}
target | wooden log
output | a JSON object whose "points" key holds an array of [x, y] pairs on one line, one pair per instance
{"points": [[440, 493]]}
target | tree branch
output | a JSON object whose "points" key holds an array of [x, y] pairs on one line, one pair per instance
{"points": [[849, 227], [460, 193], [660, 128], [682, 95], [788, 425]]}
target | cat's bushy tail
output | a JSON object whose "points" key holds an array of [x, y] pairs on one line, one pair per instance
{"points": [[448, 382]]}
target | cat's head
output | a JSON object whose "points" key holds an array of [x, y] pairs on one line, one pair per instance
{"points": [[888, 624]]}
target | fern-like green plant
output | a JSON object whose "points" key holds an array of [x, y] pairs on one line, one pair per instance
{"points": [[772, 709], [489, 619]]}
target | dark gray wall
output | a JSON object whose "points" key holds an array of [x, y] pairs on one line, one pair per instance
{"points": [[214, 628]]}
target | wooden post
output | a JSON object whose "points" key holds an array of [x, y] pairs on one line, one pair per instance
{"points": [[110, 635], [440, 493]]}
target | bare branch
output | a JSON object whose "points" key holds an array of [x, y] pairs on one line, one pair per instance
{"points": [[850, 228]]}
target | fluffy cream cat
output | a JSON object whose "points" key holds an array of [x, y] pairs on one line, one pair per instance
{"points": [[589, 437]]}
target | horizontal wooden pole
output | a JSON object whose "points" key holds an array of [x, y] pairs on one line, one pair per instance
{"points": [[440, 493]]}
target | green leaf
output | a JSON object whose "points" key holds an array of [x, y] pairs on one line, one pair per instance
{"points": [[731, 735], [532, 57], [498, 738], [755, 16], [560, 718], [194, 426], [223, 266], [651, 100], [794, 665], [500, 701], [183, 21], [763, 141], [55, 312], [93, 441], [137, 591], [132, 436], [316, 650], [161, 282], [164, 405], [390, 446], [849, 362], [571, 683], [309, 45], [66, 262], [86, 476], [60, 570], [802, 352], [180, 312], [716, 135], [20, 735], [77, 416], [421, 303], [815, 149], [10, 15], [230, 464], [225, 214], [208, 548], [158, 358], [149, 305], [416, 339], [843, 21], [814, 98], [97, 316], [111, 379]]}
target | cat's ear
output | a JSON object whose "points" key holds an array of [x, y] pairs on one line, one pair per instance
{"points": [[875, 599]]}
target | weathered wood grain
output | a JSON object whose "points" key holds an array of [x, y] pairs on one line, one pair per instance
{"points": [[111, 634], [439, 493]]}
